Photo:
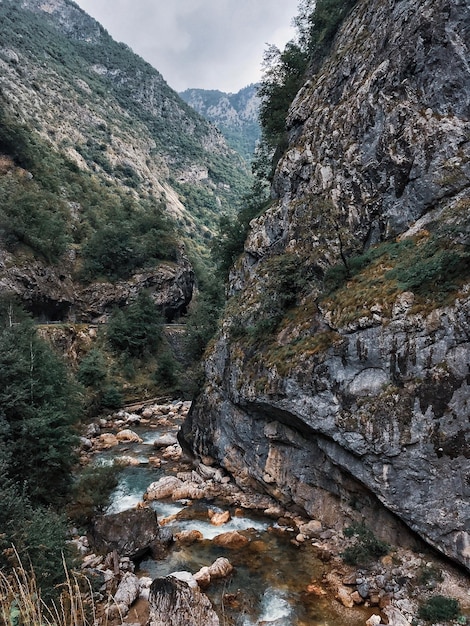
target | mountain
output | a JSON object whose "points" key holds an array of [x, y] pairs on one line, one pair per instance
{"points": [[122, 172], [338, 381], [235, 115]]}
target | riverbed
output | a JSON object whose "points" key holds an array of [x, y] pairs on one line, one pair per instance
{"points": [[276, 580]]}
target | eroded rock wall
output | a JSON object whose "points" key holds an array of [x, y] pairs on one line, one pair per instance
{"points": [[358, 403]]}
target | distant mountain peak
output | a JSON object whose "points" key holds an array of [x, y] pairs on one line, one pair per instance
{"points": [[234, 114]]}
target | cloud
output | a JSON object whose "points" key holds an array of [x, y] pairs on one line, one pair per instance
{"points": [[210, 44]]}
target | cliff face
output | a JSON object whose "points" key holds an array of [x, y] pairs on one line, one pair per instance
{"points": [[339, 381]]}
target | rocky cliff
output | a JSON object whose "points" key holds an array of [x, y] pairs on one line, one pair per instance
{"points": [[339, 380]]}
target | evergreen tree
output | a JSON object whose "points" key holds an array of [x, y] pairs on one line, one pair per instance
{"points": [[137, 329], [38, 405]]}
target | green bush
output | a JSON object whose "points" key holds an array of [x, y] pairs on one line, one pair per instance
{"points": [[429, 575], [32, 216], [125, 239], [366, 548], [203, 318], [92, 491], [167, 372], [136, 330], [111, 397], [439, 609], [37, 533], [287, 278], [92, 370], [433, 268]]}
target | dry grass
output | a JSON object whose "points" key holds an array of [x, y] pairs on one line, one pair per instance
{"points": [[21, 602]]}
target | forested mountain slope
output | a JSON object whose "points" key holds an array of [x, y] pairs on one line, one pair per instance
{"points": [[339, 379], [124, 171]]}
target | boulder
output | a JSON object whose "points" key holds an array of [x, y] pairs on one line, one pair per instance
{"points": [[220, 568], [233, 540], [395, 617], [165, 440], [313, 528], [191, 491], [343, 595], [162, 488], [218, 518], [132, 533], [188, 537], [203, 577], [175, 602], [108, 440], [128, 590], [128, 435]]}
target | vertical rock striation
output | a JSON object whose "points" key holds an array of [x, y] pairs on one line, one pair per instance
{"points": [[339, 381]]}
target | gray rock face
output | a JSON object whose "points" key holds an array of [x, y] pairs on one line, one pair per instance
{"points": [[359, 406]]}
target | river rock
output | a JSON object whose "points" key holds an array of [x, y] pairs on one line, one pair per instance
{"points": [[132, 533], [191, 491], [172, 453], [128, 590], [343, 595], [188, 537], [174, 602], [93, 430], [144, 587], [165, 440], [107, 440], [203, 577], [395, 617], [313, 528], [128, 435], [85, 443], [218, 518], [220, 568], [233, 540], [374, 620], [163, 488]]}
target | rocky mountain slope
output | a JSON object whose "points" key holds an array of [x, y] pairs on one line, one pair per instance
{"points": [[234, 114], [118, 145], [338, 382]]}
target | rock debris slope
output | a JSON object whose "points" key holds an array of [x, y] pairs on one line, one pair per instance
{"points": [[339, 381]]}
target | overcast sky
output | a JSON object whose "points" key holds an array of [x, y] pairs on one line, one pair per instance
{"points": [[208, 44]]}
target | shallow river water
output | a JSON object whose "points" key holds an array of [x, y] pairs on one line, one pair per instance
{"points": [[271, 577]]}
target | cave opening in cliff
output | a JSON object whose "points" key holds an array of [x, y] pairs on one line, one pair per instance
{"points": [[48, 311]]}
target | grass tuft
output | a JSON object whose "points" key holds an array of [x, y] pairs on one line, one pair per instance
{"points": [[21, 601]]}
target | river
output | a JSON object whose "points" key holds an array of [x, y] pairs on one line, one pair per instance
{"points": [[276, 581]]}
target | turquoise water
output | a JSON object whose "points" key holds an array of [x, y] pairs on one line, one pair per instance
{"points": [[271, 575]]}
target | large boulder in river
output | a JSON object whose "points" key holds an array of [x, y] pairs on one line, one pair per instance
{"points": [[176, 602], [132, 533]]}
